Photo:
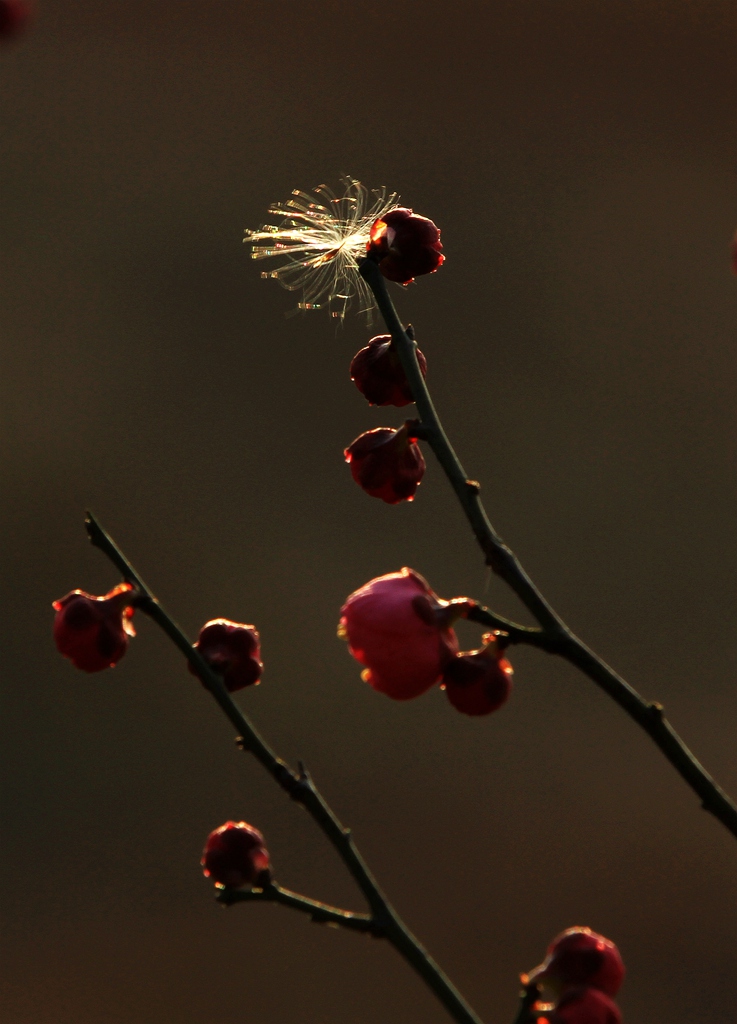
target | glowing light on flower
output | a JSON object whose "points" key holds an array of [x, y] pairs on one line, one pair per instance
{"points": [[322, 237]]}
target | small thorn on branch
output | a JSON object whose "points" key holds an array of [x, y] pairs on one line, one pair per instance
{"points": [[656, 710], [474, 486]]}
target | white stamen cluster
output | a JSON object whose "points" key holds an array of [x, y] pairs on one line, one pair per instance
{"points": [[322, 238]]}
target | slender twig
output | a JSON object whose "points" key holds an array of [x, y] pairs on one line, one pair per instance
{"points": [[528, 996], [554, 636], [516, 634], [321, 913], [299, 785]]}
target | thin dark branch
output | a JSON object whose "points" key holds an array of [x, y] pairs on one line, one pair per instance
{"points": [[501, 559], [528, 996], [299, 786], [517, 634], [321, 913], [554, 636]]}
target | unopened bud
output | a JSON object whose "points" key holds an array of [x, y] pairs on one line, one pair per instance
{"points": [[387, 463], [378, 374], [235, 855], [479, 682], [93, 632], [232, 650]]}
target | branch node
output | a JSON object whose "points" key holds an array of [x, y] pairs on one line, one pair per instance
{"points": [[418, 431], [473, 486], [289, 780], [656, 710]]}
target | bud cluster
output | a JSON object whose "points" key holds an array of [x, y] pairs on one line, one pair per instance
{"points": [[93, 632], [401, 631], [584, 972], [386, 462]]}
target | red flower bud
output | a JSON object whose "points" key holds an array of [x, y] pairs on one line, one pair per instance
{"points": [[13, 16], [578, 957], [91, 631], [405, 245], [232, 650], [390, 628], [478, 682], [585, 1006], [387, 463], [378, 374], [235, 855]]}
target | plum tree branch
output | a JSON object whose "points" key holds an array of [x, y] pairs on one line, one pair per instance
{"points": [[321, 913], [553, 635], [384, 920]]}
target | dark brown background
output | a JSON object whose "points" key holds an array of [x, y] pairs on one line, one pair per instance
{"points": [[580, 158]]}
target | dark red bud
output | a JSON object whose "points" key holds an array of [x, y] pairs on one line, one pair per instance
{"points": [[232, 649], [14, 14], [585, 1006], [93, 632], [387, 463], [405, 245], [478, 682], [378, 374], [235, 855], [580, 956]]}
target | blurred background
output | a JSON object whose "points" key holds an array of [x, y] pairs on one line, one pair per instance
{"points": [[580, 157]]}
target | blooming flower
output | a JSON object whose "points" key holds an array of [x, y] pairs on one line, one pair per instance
{"points": [[235, 855], [387, 463], [378, 374], [584, 1006], [232, 649], [405, 245], [391, 628], [93, 632], [322, 238], [478, 682], [579, 956]]}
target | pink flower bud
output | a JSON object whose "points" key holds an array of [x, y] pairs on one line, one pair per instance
{"points": [[390, 628], [478, 682], [232, 649], [13, 16], [405, 245], [578, 957], [585, 1006], [378, 374], [91, 631], [387, 463], [235, 855]]}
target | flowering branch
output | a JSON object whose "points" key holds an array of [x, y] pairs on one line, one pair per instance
{"points": [[553, 634], [383, 920]]}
